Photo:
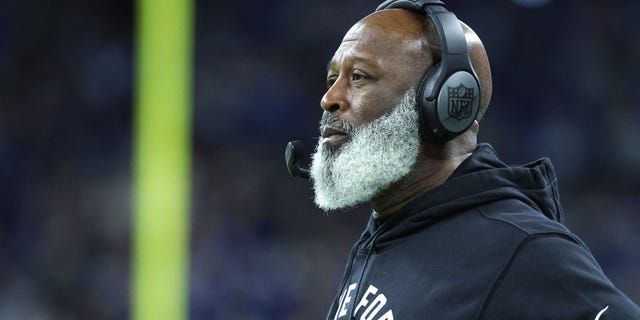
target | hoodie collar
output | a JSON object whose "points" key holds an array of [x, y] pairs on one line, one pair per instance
{"points": [[482, 178]]}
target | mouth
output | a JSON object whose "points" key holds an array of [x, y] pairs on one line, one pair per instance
{"points": [[333, 137]]}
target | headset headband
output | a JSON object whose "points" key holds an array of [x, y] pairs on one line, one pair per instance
{"points": [[455, 55]]}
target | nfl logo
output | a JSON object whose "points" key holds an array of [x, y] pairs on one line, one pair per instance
{"points": [[460, 99]]}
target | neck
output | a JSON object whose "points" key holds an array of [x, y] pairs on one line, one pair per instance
{"points": [[433, 167]]}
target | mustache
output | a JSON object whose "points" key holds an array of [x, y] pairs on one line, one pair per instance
{"points": [[331, 120]]}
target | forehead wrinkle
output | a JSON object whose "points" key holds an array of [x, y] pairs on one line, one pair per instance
{"points": [[376, 45], [372, 63]]}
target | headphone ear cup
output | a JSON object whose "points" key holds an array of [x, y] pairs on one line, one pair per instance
{"points": [[441, 122], [457, 104]]}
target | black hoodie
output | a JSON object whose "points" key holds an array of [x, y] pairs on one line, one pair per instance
{"points": [[486, 244]]}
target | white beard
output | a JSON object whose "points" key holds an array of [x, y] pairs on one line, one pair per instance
{"points": [[379, 153]]}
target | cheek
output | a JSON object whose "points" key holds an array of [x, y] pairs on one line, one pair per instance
{"points": [[369, 108], [366, 109]]}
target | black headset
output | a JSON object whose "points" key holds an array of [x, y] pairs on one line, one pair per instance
{"points": [[448, 96]]}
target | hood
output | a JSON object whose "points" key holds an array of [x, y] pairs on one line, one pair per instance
{"points": [[482, 178]]}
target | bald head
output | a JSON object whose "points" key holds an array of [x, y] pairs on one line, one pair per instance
{"points": [[422, 34]]}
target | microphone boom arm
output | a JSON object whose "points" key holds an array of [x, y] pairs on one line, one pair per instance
{"points": [[294, 151]]}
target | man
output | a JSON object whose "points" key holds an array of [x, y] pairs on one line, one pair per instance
{"points": [[455, 233]]}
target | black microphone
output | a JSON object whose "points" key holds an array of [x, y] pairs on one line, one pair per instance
{"points": [[295, 150]]}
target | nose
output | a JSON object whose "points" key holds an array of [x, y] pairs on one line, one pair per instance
{"points": [[336, 98]]}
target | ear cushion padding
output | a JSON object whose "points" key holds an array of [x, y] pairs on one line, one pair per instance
{"points": [[428, 108]]}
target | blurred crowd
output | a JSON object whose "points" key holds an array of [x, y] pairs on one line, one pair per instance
{"points": [[565, 87]]}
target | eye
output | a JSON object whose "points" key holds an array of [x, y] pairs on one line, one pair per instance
{"points": [[331, 80], [357, 76]]}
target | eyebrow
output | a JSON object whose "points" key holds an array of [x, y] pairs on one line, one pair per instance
{"points": [[360, 59]]}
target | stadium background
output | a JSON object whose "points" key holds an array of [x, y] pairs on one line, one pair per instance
{"points": [[566, 86]]}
